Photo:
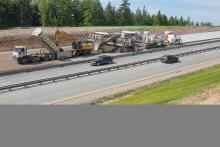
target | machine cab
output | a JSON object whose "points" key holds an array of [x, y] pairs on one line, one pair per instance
{"points": [[19, 51]]}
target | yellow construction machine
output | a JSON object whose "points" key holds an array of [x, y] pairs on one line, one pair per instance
{"points": [[80, 47]]}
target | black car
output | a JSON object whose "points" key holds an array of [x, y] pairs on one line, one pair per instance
{"points": [[102, 60], [169, 59]]}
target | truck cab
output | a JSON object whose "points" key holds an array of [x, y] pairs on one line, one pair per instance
{"points": [[19, 51]]}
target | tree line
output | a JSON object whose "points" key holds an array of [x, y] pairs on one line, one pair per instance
{"points": [[82, 13]]}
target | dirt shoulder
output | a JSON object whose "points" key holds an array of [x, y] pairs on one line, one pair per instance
{"points": [[209, 96]]}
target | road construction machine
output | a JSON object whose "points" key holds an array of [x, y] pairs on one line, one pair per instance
{"points": [[171, 39], [149, 40], [114, 42], [53, 52]]}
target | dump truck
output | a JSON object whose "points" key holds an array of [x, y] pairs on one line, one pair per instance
{"points": [[53, 52]]}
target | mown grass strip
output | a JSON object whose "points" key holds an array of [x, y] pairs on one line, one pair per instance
{"points": [[167, 91]]}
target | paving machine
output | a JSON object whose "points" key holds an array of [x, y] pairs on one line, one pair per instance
{"points": [[171, 38], [151, 40], [114, 42]]}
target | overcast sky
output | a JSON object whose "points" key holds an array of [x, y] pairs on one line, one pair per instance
{"points": [[198, 10]]}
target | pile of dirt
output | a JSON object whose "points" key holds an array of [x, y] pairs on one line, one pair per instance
{"points": [[210, 96], [22, 36]]}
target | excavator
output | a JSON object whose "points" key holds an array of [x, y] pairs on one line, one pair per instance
{"points": [[79, 47]]}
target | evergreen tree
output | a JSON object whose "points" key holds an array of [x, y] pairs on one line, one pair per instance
{"points": [[188, 21], [139, 18], [43, 7], [157, 19], [35, 17], [181, 21], [172, 21], [164, 20], [60, 13], [147, 17], [78, 13], [98, 14], [110, 15], [125, 15], [2, 11], [88, 12], [206, 24]]}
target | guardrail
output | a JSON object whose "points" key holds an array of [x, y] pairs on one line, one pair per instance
{"points": [[193, 43], [97, 71]]}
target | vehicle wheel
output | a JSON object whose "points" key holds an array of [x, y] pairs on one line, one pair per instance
{"points": [[35, 59], [86, 53], [24, 61], [52, 56], [46, 58], [98, 64]]}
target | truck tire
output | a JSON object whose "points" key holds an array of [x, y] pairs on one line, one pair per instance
{"points": [[24, 60], [46, 58], [77, 53], [35, 59], [52, 57], [86, 52]]}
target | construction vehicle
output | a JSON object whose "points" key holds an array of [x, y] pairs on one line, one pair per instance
{"points": [[53, 51], [149, 40], [114, 42], [172, 39], [79, 47]]}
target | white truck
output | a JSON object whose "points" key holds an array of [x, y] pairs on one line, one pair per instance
{"points": [[53, 51]]}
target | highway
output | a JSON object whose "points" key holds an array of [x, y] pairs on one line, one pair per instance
{"points": [[36, 75], [55, 91], [200, 36]]}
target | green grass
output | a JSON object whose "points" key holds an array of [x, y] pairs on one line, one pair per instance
{"points": [[170, 90]]}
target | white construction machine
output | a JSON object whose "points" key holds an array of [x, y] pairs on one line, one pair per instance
{"points": [[148, 40], [172, 39], [114, 42]]}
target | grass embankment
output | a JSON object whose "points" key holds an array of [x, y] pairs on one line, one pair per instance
{"points": [[171, 90]]}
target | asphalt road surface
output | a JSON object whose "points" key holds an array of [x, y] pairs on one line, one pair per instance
{"points": [[55, 91], [36, 75], [200, 36]]}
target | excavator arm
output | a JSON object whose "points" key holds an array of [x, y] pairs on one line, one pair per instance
{"points": [[61, 35]]}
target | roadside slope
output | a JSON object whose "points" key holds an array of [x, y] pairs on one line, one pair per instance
{"points": [[209, 96], [171, 90]]}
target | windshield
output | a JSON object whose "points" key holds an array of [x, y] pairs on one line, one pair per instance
{"points": [[165, 57], [99, 58]]}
